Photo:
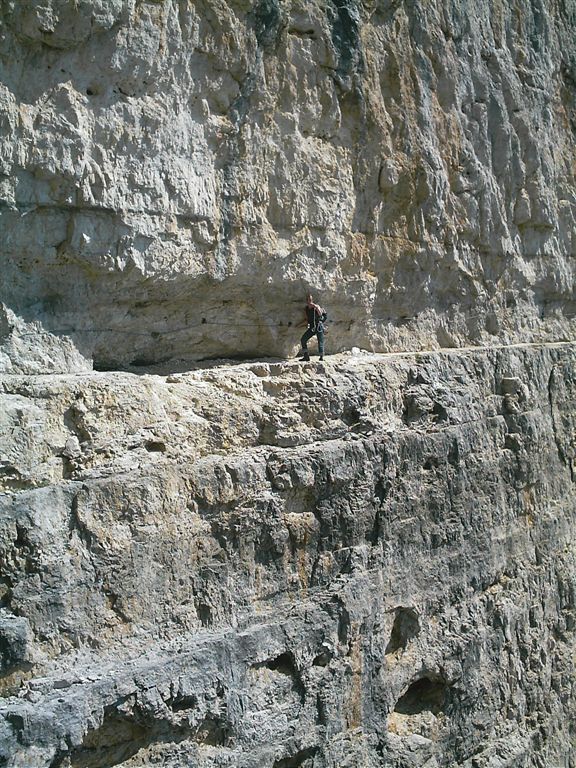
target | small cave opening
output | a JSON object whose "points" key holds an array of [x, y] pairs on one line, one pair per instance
{"points": [[121, 736], [117, 740], [439, 412], [302, 32], [204, 613], [431, 463], [322, 659], [155, 446], [406, 627], [351, 415], [213, 732], [182, 703], [283, 664], [424, 695]]}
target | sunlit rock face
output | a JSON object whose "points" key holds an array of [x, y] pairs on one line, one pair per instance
{"points": [[364, 563], [175, 175]]}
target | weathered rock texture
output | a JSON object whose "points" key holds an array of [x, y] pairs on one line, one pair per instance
{"points": [[368, 563], [363, 563], [175, 174]]}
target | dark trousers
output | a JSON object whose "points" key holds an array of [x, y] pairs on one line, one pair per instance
{"points": [[307, 335]]}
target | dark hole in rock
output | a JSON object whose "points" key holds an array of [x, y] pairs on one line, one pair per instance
{"points": [[322, 660], [138, 362], [11, 479], [302, 32], [155, 446], [454, 454], [350, 415], [212, 731], [182, 703], [5, 591], [68, 468], [321, 711], [344, 623], [439, 412], [12, 648], [302, 759], [204, 614], [283, 664], [406, 626], [15, 720], [118, 739], [424, 695]]}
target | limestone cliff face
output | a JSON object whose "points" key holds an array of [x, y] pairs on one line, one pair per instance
{"points": [[174, 175], [367, 563], [359, 563]]}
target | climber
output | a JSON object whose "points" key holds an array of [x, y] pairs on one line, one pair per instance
{"points": [[315, 317]]}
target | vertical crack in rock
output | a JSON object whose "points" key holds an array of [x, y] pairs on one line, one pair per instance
{"points": [[268, 21], [562, 423], [405, 628], [346, 23]]}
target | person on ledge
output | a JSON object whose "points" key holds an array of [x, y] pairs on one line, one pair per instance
{"points": [[315, 317]]}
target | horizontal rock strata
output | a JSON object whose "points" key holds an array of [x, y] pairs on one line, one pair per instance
{"points": [[364, 562]]}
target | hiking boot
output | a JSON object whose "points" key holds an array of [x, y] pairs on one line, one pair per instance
{"points": [[305, 357], [321, 357]]}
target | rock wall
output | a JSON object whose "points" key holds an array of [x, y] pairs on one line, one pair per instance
{"points": [[364, 563], [175, 175]]}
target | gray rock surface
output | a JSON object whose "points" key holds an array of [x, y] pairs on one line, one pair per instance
{"points": [[174, 175], [359, 563], [364, 562]]}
